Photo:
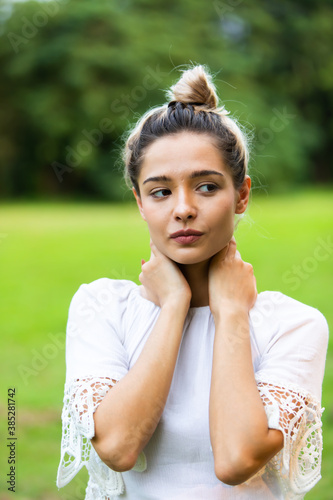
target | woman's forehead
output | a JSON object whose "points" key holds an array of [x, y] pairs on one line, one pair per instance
{"points": [[183, 153]]}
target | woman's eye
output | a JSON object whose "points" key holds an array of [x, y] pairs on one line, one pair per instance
{"points": [[208, 188], [160, 193]]}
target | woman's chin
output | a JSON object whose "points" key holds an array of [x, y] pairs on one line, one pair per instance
{"points": [[189, 256], [189, 260]]}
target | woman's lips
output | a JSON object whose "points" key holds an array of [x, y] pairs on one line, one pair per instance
{"points": [[185, 239], [186, 236]]}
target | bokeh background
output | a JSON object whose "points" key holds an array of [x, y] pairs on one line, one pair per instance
{"points": [[74, 76]]}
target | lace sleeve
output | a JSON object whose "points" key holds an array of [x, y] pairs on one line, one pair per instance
{"points": [[298, 415], [81, 399]]}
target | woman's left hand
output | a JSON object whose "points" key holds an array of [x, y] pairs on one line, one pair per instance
{"points": [[232, 284]]}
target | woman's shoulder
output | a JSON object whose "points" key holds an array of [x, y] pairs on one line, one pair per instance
{"points": [[104, 288], [103, 296], [277, 313], [273, 303]]}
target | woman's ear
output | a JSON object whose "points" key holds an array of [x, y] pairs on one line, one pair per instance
{"points": [[139, 202], [243, 195]]}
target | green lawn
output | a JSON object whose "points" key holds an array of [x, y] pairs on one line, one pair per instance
{"points": [[48, 250]]}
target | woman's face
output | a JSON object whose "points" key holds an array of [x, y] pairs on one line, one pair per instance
{"points": [[185, 187]]}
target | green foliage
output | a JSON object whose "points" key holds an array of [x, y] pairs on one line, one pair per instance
{"points": [[77, 73]]}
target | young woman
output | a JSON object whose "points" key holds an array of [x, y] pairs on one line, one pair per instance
{"points": [[191, 386]]}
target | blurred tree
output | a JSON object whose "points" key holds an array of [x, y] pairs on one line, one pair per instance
{"points": [[75, 74]]}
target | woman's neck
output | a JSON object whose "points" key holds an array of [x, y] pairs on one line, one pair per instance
{"points": [[197, 277]]}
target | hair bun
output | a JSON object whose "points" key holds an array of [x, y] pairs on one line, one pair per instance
{"points": [[195, 86]]}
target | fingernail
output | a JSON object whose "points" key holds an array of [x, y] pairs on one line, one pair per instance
{"points": [[142, 262]]}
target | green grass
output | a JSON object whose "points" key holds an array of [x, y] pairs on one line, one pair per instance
{"points": [[48, 250]]}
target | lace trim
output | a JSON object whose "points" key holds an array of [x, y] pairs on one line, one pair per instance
{"points": [[81, 400], [288, 408], [297, 414]]}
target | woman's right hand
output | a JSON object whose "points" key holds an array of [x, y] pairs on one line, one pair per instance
{"points": [[163, 282]]}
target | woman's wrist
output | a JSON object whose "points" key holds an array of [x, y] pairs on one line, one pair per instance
{"points": [[177, 303], [230, 311]]}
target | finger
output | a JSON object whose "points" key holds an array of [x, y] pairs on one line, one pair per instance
{"points": [[152, 249], [238, 255], [155, 252], [255, 287], [142, 262], [232, 249]]}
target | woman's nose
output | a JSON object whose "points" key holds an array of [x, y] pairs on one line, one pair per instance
{"points": [[185, 208]]}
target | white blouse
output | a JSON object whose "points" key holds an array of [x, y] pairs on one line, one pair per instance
{"points": [[108, 325]]}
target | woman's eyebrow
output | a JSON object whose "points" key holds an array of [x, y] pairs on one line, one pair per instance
{"points": [[157, 179], [203, 173], [198, 173]]}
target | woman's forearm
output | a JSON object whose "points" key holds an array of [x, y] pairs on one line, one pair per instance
{"points": [[128, 415], [241, 440]]}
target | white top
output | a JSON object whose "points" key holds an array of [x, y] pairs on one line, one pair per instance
{"points": [[109, 323]]}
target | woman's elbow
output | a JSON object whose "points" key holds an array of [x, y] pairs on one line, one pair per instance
{"points": [[240, 464], [115, 457], [235, 471], [227, 476]]}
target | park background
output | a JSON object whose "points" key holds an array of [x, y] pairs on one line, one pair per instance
{"points": [[74, 76]]}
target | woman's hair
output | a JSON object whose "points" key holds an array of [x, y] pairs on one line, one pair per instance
{"points": [[193, 107]]}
